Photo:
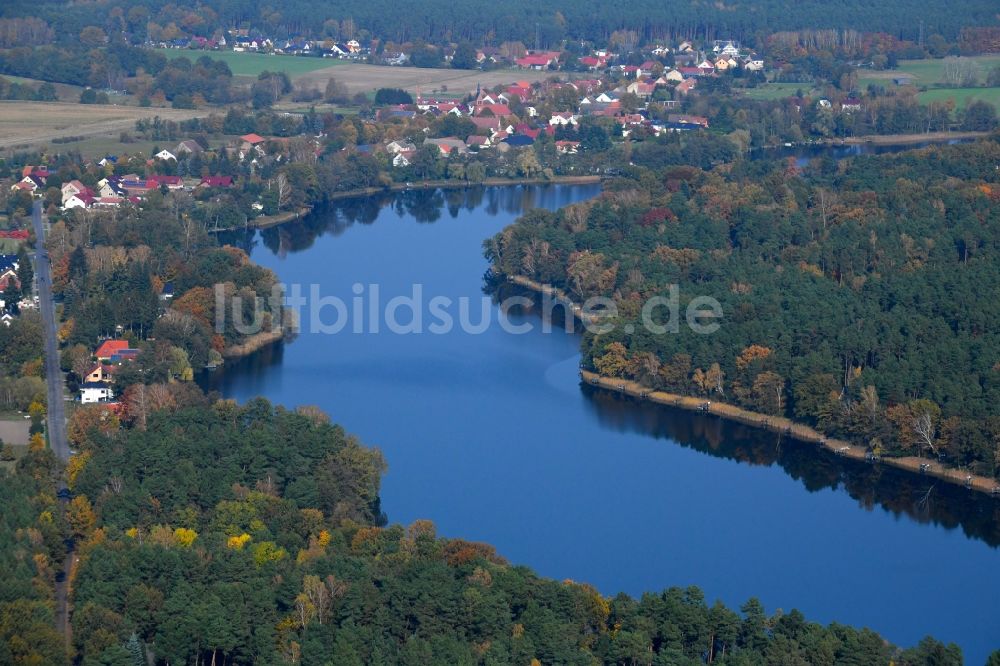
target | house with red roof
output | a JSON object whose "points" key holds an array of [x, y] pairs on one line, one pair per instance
{"points": [[523, 93], [686, 86], [496, 110], [172, 182], [477, 141], [593, 63], [32, 183], [526, 130], [79, 200], [110, 348], [216, 181], [8, 277], [538, 61]]}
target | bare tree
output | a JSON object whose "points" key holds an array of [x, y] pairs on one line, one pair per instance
{"points": [[923, 425], [284, 189], [960, 72]]}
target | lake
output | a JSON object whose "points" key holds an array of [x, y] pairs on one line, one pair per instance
{"points": [[492, 436]]}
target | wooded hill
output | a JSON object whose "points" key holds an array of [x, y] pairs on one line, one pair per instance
{"points": [[860, 297]]}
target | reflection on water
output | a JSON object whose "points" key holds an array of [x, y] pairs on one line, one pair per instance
{"points": [[422, 205], [493, 438], [923, 499]]}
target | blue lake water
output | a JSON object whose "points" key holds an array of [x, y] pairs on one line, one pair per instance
{"points": [[493, 438]]}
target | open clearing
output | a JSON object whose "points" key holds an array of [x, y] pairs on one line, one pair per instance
{"points": [[33, 123], [64, 91], [961, 96], [14, 430], [252, 64], [359, 77], [772, 91], [929, 74], [365, 78]]}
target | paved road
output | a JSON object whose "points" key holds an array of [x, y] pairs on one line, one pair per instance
{"points": [[53, 373], [56, 405]]}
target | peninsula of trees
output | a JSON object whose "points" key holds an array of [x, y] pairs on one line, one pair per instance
{"points": [[857, 296]]}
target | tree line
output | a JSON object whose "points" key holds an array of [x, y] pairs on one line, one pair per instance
{"points": [[209, 532], [856, 296]]}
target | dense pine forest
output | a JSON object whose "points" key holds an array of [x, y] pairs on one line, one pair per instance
{"points": [[858, 297], [215, 533], [529, 22]]}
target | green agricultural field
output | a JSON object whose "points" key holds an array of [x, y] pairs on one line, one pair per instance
{"points": [[771, 91], [962, 96], [931, 72], [252, 64]]}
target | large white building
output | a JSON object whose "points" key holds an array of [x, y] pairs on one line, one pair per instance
{"points": [[91, 392]]}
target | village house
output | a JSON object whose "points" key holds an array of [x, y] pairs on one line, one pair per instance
{"points": [[539, 60], [478, 142], [111, 348], [251, 143], [76, 195], [680, 122], [170, 182], [165, 155], [403, 158], [216, 181], [850, 105], [8, 276], [95, 392], [98, 373], [686, 86], [567, 147], [109, 187], [31, 183], [80, 200], [448, 145], [188, 147], [641, 89], [563, 118], [399, 146]]}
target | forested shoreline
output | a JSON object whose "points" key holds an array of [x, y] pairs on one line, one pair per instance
{"points": [[852, 293], [209, 531]]}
